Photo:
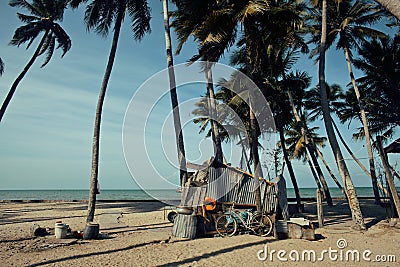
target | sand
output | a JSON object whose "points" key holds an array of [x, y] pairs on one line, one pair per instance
{"points": [[139, 234]]}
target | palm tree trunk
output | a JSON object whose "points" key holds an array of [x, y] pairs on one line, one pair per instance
{"points": [[354, 156], [245, 155], [1, 67], [327, 193], [213, 114], [311, 151], [392, 6], [313, 172], [256, 160], [21, 76], [290, 167], [248, 32], [389, 176], [395, 173], [97, 124], [366, 129], [174, 100], [343, 171], [321, 156]]}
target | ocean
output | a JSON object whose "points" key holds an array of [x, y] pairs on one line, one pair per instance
{"points": [[147, 195]]}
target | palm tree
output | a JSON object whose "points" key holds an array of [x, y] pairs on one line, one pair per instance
{"points": [[246, 12], [281, 119], [389, 177], [174, 100], [101, 15], [43, 18], [1, 67], [349, 21], [275, 62], [296, 141], [308, 144], [343, 171], [195, 18], [379, 60], [312, 100], [340, 107], [321, 156], [297, 83], [225, 17]]}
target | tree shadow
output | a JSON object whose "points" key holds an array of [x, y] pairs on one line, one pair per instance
{"points": [[139, 229], [74, 257], [128, 229], [10, 216], [17, 240], [215, 253], [340, 214], [35, 219]]}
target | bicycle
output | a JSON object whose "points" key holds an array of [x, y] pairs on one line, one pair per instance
{"points": [[228, 223]]}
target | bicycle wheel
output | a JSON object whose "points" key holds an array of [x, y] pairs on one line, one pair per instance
{"points": [[261, 224], [226, 225]]}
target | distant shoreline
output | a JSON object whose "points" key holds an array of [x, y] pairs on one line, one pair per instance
{"points": [[313, 199]]}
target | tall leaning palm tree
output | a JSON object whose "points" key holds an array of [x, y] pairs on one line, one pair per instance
{"points": [[101, 15], [354, 204], [196, 18], [349, 24], [183, 175], [43, 18]]}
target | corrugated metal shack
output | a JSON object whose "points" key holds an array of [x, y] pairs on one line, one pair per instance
{"points": [[229, 185]]}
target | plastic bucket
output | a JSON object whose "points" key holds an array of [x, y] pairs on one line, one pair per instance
{"points": [[60, 230]]}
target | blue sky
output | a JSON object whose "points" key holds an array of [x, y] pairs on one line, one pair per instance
{"points": [[46, 134]]}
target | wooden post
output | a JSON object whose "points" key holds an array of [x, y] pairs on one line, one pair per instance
{"points": [[388, 173], [320, 210]]}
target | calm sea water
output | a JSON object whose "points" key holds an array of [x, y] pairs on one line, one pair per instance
{"points": [[138, 194]]}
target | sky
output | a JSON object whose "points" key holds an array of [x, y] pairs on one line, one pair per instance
{"points": [[46, 133]]}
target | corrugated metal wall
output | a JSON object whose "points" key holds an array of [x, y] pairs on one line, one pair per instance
{"points": [[229, 185]]}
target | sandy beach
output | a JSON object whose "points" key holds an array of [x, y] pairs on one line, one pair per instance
{"points": [[139, 234]]}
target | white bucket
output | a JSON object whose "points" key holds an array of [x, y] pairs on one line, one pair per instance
{"points": [[60, 230]]}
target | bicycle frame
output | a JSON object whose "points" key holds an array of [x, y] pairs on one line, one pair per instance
{"points": [[258, 223], [235, 213]]}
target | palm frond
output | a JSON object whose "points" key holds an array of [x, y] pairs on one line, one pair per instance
{"points": [[140, 14], [26, 18], [62, 38], [26, 33], [76, 3], [99, 15], [253, 8], [33, 9], [49, 50]]}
